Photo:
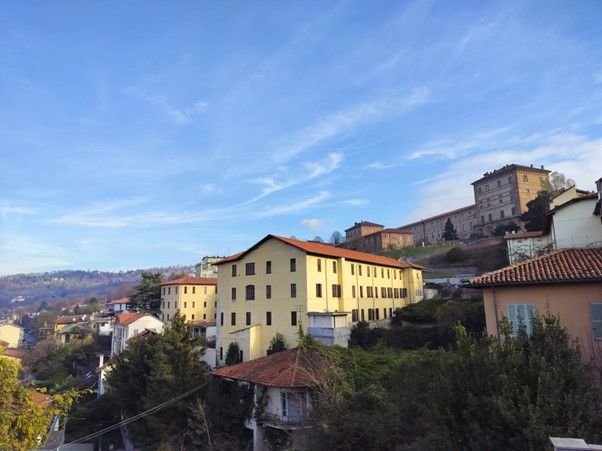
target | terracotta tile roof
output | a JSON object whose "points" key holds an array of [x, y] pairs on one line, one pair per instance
{"points": [[562, 266], [125, 300], [521, 235], [127, 318], [191, 281], [312, 247], [4, 344], [364, 223], [292, 368], [15, 353], [41, 399], [68, 319]]}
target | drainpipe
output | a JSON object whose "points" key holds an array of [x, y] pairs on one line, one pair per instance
{"points": [[497, 320]]}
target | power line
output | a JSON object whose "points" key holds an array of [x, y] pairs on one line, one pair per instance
{"points": [[136, 417]]}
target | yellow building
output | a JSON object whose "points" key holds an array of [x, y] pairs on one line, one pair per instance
{"points": [[11, 334], [272, 286], [193, 297]]}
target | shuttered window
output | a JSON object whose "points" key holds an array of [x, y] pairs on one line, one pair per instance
{"points": [[521, 314], [596, 312]]}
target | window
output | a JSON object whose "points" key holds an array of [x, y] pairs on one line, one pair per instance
{"points": [[499, 183], [168, 290], [163, 290], [233, 318], [319, 263], [250, 292], [240, 356], [500, 200], [293, 264], [352, 269], [404, 292], [293, 318], [221, 318], [334, 267], [525, 178], [509, 180], [234, 293], [185, 290], [163, 304], [194, 290], [363, 315], [370, 314], [359, 269], [233, 270], [168, 304], [482, 219], [352, 291], [268, 267], [293, 290], [596, 313], [490, 217], [268, 318], [250, 269], [388, 274], [361, 291], [502, 214], [369, 292], [168, 317], [318, 290], [294, 405], [176, 290], [486, 187], [382, 272], [389, 292], [480, 191], [336, 291], [175, 305], [185, 304], [368, 271], [521, 315], [390, 312], [513, 211], [353, 315], [396, 293], [221, 353], [204, 316], [268, 292], [375, 275], [192, 317], [248, 318]]}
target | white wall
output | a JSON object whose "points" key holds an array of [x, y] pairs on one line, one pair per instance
{"points": [[576, 226]]}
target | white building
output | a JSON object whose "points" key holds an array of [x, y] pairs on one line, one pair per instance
{"points": [[129, 325], [119, 305], [281, 382], [207, 267], [571, 222]]}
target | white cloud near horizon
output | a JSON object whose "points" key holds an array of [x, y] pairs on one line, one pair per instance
{"points": [[313, 224], [576, 156]]}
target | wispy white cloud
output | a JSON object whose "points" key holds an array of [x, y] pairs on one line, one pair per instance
{"points": [[178, 115], [577, 156], [293, 207], [101, 214], [21, 253], [313, 223]]}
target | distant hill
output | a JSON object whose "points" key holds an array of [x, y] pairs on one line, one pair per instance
{"points": [[25, 289]]}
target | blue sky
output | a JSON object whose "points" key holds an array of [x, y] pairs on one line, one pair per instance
{"points": [[137, 134]]}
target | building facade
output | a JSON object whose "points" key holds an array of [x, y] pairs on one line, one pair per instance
{"points": [[129, 325], [370, 237], [502, 195], [566, 283], [207, 267], [278, 283], [194, 298], [11, 334], [430, 230]]}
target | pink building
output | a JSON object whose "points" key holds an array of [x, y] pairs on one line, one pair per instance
{"points": [[566, 283]]}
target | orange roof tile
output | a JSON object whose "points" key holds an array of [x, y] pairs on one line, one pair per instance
{"points": [[42, 399], [68, 319], [562, 266], [292, 368], [312, 247], [120, 301], [127, 318], [191, 281], [15, 353]]}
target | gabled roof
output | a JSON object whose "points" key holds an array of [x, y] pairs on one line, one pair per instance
{"points": [[68, 319], [326, 250], [75, 329], [364, 223], [15, 353], [292, 368], [120, 301], [191, 281], [127, 318], [589, 196], [562, 266]]}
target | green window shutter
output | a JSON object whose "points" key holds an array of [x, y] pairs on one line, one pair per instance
{"points": [[596, 313], [529, 314]]}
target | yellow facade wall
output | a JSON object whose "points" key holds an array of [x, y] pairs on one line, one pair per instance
{"points": [[328, 272], [11, 334], [194, 302]]}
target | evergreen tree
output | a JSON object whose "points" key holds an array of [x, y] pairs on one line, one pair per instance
{"points": [[233, 354], [449, 231], [277, 344], [148, 294], [535, 216]]}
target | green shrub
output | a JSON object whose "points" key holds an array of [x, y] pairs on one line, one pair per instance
{"points": [[455, 255]]}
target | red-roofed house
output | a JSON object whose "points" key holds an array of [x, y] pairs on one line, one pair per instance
{"points": [[370, 237], [282, 283], [281, 382], [131, 324], [566, 282], [119, 305]]}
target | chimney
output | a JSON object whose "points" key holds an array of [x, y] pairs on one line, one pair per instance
{"points": [[531, 165], [542, 166]]}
